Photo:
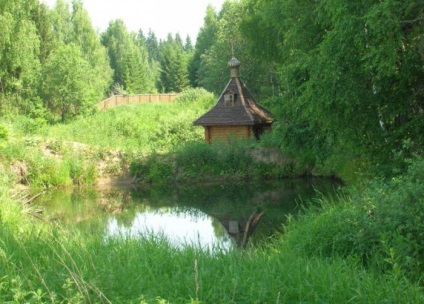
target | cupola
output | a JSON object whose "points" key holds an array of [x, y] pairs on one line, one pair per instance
{"points": [[234, 65]]}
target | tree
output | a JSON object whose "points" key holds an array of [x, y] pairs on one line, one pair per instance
{"points": [[128, 59], [205, 40], [136, 79], [188, 46], [19, 54], [62, 22], [92, 50], [67, 82], [42, 18], [174, 66], [152, 46], [178, 40], [349, 70], [141, 39]]}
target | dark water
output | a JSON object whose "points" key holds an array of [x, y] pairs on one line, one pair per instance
{"points": [[223, 215]]}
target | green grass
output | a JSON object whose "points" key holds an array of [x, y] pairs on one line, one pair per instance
{"points": [[47, 265], [317, 260], [40, 268], [70, 154], [237, 159], [144, 128], [156, 141]]}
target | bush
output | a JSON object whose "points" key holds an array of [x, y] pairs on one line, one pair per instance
{"points": [[383, 226], [81, 171], [26, 125], [396, 219], [154, 169], [198, 95], [46, 172], [234, 157], [147, 128], [196, 158]]}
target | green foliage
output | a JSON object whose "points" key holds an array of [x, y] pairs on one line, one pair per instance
{"points": [[46, 172], [4, 133], [153, 169], [382, 225], [128, 59], [205, 39], [197, 158], [19, 50], [67, 83], [141, 128], [45, 264], [43, 164], [195, 96], [234, 156], [174, 66], [31, 39], [349, 73], [85, 36], [81, 170], [25, 125], [235, 159]]}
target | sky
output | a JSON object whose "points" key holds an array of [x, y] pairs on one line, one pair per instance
{"points": [[161, 16]]}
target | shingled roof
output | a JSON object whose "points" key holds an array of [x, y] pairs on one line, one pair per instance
{"points": [[236, 105]]}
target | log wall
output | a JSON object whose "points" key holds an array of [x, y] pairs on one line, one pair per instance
{"points": [[225, 132]]}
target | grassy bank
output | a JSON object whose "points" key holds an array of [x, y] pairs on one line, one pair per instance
{"points": [[154, 142], [320, 259], [77, 153]]}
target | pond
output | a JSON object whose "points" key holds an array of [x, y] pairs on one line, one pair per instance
{"points": [[206, 215]]}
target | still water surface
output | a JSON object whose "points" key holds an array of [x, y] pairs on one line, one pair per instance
{"points": [[208, 216]]}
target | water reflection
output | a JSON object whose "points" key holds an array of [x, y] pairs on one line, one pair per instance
{"points": [[206, 215], [179, 227]]}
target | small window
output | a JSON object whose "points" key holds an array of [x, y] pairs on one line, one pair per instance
{"points": [[228, 99]]}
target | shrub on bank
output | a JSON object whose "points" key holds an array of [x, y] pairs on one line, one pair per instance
{"points": [[238, 158], [382, 225], [42, 164]]}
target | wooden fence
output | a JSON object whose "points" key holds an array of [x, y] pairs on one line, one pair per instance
{"points": [[118, 100]]}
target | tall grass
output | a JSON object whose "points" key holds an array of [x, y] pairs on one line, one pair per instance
{"points": [[41, 265], [382, 225], [145, 128], [234, 159], [42, 164], [315, 261], [46, 156]]}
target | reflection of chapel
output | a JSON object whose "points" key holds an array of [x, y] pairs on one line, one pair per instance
{"points": [[236, 112]]}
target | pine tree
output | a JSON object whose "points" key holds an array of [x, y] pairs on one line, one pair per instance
{"points": [[174, 66], [129, 59]]}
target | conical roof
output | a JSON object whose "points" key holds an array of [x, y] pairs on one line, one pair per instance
{"points": [[236, 105]]}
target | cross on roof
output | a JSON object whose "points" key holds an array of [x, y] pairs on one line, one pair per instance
{"points": [[232, 41]]}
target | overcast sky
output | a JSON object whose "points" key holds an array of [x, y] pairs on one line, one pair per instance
{"points": [[162, 16]]}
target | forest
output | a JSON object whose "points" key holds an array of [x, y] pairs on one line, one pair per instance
{"points": [[345, 82]]}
